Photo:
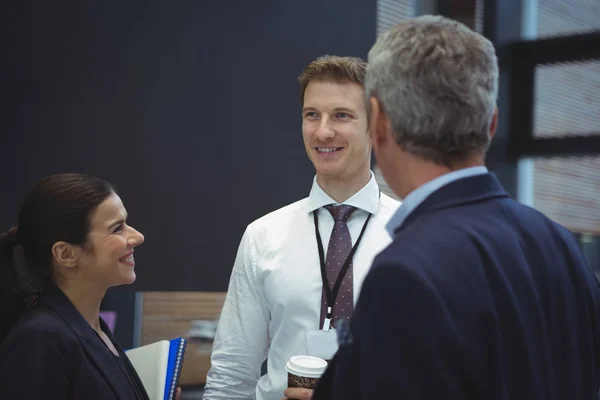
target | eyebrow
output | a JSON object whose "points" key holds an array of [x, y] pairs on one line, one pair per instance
{"points": [[337, 109], [344, 109]]}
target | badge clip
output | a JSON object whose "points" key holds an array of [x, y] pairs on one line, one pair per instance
{"points": [[327, 322]]}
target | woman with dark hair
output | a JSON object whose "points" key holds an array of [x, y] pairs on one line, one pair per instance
{"points": [[71, 243]]}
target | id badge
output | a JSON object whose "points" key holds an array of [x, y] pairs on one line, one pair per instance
{"points": [[322, 344]]}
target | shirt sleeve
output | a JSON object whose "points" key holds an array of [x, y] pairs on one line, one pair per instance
{"points": [[241, 342]]}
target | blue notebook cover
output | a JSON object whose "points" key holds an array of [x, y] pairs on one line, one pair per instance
{"points": [[176, 354]]}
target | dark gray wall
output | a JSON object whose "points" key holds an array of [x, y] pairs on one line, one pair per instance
{"points": [[189, 107]]}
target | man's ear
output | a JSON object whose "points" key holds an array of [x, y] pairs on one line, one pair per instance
{"points": [[378, 123], [66, 254], [494, 124]]}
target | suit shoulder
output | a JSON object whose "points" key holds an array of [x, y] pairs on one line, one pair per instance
{"points": [[407, 254], [39, 327], [537, 223], [40, 352], [395, 277]]}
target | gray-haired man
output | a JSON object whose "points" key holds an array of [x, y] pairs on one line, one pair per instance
{"points": [[478, 296]]}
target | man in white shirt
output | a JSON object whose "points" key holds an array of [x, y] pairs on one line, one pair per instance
{"points": [[277, 305]]}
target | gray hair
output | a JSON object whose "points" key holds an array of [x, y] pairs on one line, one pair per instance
{"points": [[437, 81]]}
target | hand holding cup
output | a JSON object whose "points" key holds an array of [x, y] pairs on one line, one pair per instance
{"points": [[304, 373]]}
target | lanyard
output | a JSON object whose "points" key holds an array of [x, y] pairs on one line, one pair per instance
{"points": [[332, 294]]}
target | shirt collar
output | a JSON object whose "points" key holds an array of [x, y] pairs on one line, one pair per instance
{"points": [[366, 199], [419, 195]]}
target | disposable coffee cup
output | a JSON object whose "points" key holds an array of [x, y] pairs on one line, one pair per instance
{"points": [[305, 371]]}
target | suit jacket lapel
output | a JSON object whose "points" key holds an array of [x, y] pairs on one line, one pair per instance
{"points": [[463, 191], [92, 344]]}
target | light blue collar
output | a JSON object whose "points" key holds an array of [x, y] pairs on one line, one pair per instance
{"points": [[417, 196]]}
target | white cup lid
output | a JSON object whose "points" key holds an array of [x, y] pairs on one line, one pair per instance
{"points": [[306, 366]]}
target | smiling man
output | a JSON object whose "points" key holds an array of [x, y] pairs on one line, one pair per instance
{"points": [[277, 305]]}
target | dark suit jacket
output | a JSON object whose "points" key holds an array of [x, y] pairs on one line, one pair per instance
{"points": [[477, 297], [53, 353]]}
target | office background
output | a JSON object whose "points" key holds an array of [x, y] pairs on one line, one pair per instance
{"points": [[192, 110]]}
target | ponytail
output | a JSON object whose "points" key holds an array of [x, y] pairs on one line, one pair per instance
{"points": [[12, 301]]}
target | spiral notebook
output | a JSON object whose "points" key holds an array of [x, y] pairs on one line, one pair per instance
{"points": [[159, 366]]}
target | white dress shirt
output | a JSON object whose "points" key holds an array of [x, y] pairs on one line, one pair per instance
{"points": [[274, 295]]}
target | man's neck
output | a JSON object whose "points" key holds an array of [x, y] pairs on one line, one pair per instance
{"points": [[341, 189], [86, 299], [418, 172]]}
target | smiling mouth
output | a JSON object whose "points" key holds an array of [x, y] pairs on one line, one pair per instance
{"points": [[328, 149], [128, 259]]}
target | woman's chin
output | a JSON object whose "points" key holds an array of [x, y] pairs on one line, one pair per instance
{"points": [[129, 278]]}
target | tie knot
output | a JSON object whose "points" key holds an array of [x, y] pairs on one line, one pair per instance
{"points": [[340, 213]]}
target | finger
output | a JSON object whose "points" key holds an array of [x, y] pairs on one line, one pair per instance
{"points": [[298, 393]]}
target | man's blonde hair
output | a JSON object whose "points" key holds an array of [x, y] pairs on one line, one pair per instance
{"points": [[333, 69]]}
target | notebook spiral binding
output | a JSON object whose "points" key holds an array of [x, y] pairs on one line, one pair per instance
{"points": [[178, 366]]}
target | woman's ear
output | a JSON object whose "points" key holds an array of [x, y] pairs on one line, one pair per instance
{"points": [[66, 254]]}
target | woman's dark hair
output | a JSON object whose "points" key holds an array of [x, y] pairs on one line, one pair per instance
{"points": [[57, 208]]}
